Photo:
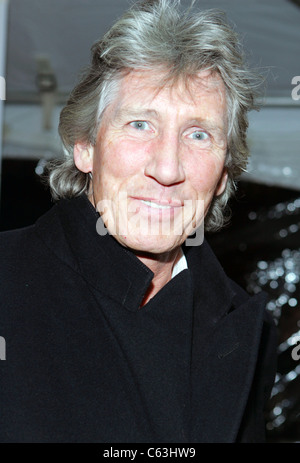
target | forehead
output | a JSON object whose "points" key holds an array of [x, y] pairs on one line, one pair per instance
{"points": [[145, 88]]}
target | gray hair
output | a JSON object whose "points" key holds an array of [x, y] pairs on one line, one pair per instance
{"points": [[155, 34]]}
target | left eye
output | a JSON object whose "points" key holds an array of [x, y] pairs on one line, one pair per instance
{"points": [[199, 135], [139, 125]]}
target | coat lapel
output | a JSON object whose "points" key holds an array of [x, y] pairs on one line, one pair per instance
{"points": [[223, 365]]}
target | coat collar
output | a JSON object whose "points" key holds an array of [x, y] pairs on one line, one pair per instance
{"points": [[69, 230], [213, 294]]}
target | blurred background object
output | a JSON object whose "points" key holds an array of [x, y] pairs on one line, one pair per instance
{"points": [[47, 44], [3, 34]]}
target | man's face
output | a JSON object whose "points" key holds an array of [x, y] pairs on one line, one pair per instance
{"points": [[159, 159]]}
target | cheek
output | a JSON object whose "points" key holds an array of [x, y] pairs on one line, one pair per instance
{"points": [[117, 165], [205, 173], [121, 159]]}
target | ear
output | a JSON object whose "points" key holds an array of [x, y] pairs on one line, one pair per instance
{"points": [[222, 182], [83, 157]]}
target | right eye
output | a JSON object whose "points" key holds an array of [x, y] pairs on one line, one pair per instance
{"points": [[140, 125]]}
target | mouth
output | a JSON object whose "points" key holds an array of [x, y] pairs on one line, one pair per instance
{"points": [[155, 205], [160, 204]]}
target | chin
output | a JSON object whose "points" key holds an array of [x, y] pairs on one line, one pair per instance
{"points": [[159, 245]]}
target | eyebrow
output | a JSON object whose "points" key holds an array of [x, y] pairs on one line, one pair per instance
{"points": [[136, 113]]}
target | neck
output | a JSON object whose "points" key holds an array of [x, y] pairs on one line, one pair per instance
{"points": [[162, 266]]}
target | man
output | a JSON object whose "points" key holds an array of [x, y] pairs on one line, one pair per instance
{"points": [[116, 329]]}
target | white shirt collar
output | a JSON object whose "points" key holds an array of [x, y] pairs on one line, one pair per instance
{"points": [[180, 265]]}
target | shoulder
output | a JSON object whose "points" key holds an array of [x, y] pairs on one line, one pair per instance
{"points": [[269, 329], [242, 297], [15, 246], [24, 259], [25, 245], [15, 237]]}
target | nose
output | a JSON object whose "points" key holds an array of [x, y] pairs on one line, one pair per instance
{"points": [[165, 164]]}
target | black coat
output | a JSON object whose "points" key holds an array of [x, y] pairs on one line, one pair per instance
{"points": [[83, 365]]}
